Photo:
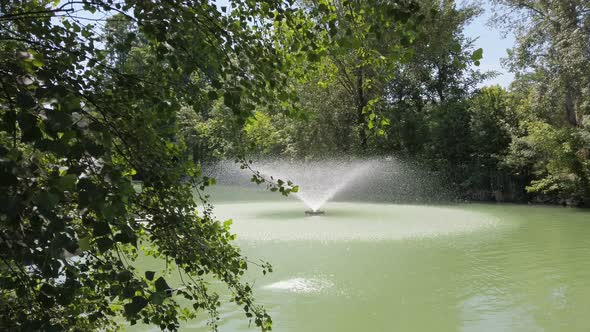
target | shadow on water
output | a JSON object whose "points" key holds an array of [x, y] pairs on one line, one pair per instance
{"points": [[298, 213]]}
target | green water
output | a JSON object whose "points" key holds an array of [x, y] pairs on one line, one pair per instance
{"points": [[386, 267]]}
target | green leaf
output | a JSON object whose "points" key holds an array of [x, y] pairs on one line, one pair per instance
{"points": [[477, 54], [124, 276], [227, 223], [161, 285], [101, 229], [46, 201], [37, 63], [24, 100], [104, 244], [135, 306], [150, 275], [158, 298], [84, 243], [68, 182]]}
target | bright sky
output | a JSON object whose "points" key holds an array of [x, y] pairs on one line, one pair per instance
{"points": [[493, 44]]}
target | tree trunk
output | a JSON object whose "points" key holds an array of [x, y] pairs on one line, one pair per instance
{"points": [[361, 103], [570, 105], [572, 89]]}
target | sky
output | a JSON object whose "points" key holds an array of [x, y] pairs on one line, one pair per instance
{"points": [[494, 46]]}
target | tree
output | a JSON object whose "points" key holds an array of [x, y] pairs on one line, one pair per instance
{"points": [[441, 70], [491, 125], [553, 38], [340, 88], [546, 151], [551, 59], [367, 40], [443, 66], [81, 115]]}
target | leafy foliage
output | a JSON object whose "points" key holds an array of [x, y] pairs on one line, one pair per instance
{"points": [[92, 95], [551, 58]]}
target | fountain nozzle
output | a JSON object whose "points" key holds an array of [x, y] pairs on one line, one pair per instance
{"points": [[314, 213]]}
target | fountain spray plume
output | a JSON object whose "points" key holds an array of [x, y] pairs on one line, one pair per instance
{"points": [[384, 179], [318, 181]]}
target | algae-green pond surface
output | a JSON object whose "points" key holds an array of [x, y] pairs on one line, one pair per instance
{"points": [[393, 267]]}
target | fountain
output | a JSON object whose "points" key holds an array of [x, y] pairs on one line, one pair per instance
{"points": [[322, 181], [318, 181]]}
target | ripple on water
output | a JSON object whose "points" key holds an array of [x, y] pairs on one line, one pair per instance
{"points": [[300, 285]]}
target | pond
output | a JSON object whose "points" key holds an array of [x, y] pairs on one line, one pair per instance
{"points": [[394, 267]]}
